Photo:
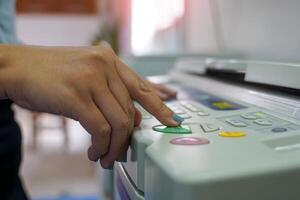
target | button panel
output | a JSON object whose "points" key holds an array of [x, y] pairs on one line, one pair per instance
{"points": [[260, 122]]}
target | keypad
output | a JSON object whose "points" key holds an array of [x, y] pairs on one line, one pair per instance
{"points": [[257, 121], [260, 122]]}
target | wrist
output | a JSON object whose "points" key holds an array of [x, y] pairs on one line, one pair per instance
{"points": [[7, 75]]}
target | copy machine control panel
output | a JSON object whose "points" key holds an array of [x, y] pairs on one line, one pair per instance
{"points": [[226, 148]]}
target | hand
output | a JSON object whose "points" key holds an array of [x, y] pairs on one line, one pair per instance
{"points": [[163, 92], [88, 84]]}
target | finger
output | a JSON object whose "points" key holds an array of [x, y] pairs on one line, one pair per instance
{"points": [[118, 121], [162, 96], [137, 117], [119, 91], [141, 91], [166, 91], [94, 122], [137, 121]]}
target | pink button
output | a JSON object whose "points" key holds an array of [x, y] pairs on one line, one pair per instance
{"points": [[189, 141]]}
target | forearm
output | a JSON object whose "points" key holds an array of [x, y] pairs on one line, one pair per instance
{"points": [[6, 70]]}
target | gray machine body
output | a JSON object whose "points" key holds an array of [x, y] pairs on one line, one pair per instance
{"points": [[264, 164]]}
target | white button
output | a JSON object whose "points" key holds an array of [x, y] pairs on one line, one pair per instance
{"points": [[209, 127], [203, 113], [185, 116], [249, 116], [263, 122], [236, 123], [178, 111], [190, 106]]}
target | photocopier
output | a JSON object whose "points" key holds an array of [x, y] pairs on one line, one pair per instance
{"points": [[240, 139], [240, 97]]}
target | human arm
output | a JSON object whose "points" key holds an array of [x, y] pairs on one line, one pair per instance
{"points": [[88, 84]]}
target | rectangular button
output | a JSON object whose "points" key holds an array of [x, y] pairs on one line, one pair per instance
{"points": [[263, 122], [249, 116], [193, 108], [236, 123], [190, 106], [202, 113], [178, 111], [209, 127]]}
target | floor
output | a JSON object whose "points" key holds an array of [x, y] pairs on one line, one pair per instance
{"points": [[54, 168]]}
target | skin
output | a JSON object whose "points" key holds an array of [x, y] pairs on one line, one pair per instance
{"points": [[163, 92], [87, 84]]}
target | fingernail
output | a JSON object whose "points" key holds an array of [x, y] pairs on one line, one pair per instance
{"points": [[124, 157], [177, 118], [110, 167]]}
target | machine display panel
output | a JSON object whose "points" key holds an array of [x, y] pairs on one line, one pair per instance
{"points": [[210, 101]]}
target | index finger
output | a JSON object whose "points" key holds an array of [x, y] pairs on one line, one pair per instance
{"points": [[142, 92]]}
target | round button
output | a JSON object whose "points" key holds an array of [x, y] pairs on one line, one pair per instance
{"points": [[232, 134], [189, 141], [279, 129]]}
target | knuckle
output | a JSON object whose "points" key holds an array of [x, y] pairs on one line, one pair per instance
{"points": [[104, 55], [105, 130], [106, 48], [143, 90]]}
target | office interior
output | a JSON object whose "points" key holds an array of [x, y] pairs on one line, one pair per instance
{"points": [[247, 52]]}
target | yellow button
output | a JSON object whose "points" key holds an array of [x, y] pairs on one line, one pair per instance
{"points": [[232, 134], [222, 105]]}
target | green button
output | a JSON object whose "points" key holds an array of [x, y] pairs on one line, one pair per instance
{"points": [[183, 129]]}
